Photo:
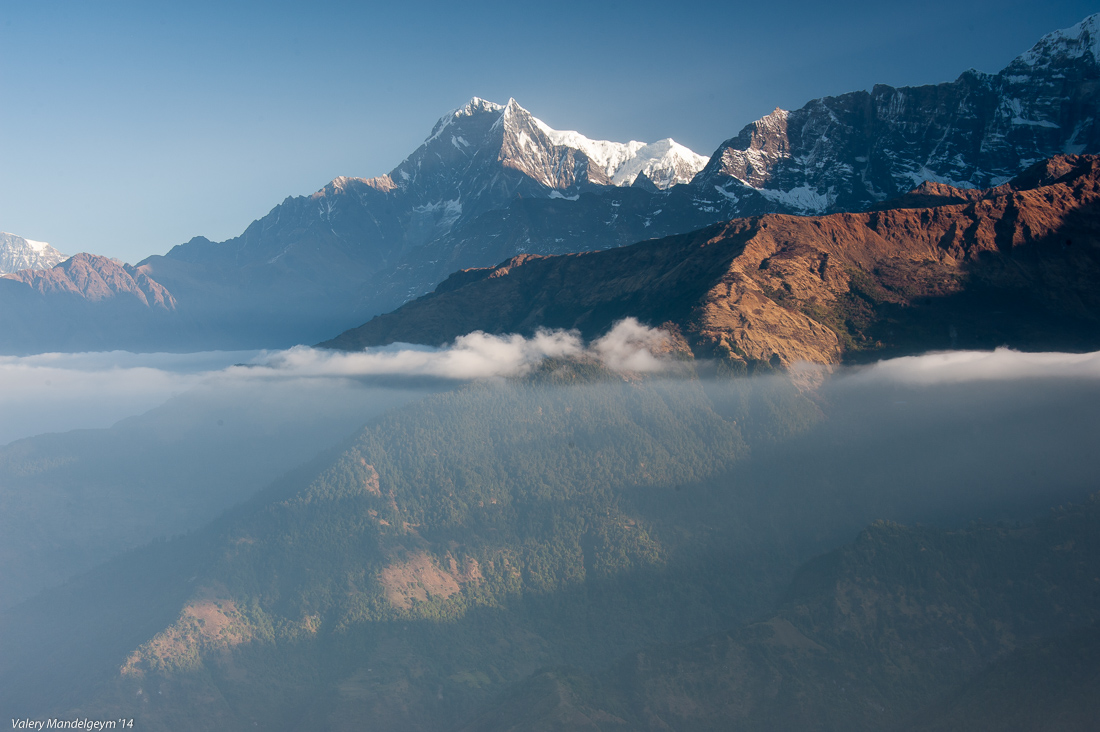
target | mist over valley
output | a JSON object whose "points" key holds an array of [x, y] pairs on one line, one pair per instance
{"points": [[566, 503]]}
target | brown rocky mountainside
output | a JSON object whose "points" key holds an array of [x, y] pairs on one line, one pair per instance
{"points": [[1015, 265], [88, 303], [93, 278]]}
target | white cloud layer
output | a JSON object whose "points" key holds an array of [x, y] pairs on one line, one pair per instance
{"points": [[56, 392], [629, 346], [1002, 364], [59, 392], [473, 356]]}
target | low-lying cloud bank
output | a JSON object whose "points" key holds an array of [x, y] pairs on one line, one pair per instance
{"points": [[1003, 364], [60, 392], [57, 392]]}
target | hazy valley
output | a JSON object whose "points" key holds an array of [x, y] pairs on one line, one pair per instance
{"points": [[569, 518]]}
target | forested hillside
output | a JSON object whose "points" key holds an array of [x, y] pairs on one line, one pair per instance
{"points": [[574, 518], [880, 634]]}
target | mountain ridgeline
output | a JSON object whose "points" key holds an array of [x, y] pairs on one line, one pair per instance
{"points": [[850, 152], [940, 268], [86, 302], [492, 182]]}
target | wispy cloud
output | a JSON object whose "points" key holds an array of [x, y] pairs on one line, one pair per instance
{"points": [[631, 346], [473, 356]]}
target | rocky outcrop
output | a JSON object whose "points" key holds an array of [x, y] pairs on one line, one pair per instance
{"points": [[97, 278]]}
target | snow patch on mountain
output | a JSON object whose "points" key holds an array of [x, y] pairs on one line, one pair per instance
{"points": [[802, 199], [924, 175], [18, 253], [665, 162]]}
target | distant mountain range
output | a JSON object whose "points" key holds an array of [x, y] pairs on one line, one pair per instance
{"points": [[580, 547], [86, 303], [363, 246], [491, 182]]}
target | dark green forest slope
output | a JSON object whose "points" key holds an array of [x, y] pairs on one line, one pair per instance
{"points": [[883, 633]]}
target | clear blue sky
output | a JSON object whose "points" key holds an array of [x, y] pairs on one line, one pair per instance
{"points": [[128, 128]]}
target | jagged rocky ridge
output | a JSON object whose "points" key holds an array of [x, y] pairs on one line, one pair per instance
{"points": [[96, 278], [1014, 265], [85, 303], [849, 152]]}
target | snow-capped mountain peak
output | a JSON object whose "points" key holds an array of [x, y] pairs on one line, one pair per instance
{"points": [[474, 107], [17, 253], [1068, 44], [665, 162], [855, 150], [523, 142]]}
